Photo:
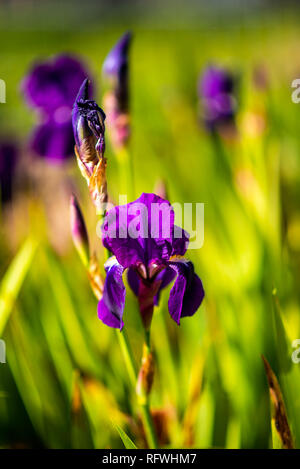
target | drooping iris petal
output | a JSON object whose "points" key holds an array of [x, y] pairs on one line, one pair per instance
{"points": [[165, 277], [187, 292], [53, 141], [111, 306], [140, 231]]}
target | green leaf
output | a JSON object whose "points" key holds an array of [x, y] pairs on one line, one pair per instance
{"points": [[128, 443], [283, 346], [13, 279]]}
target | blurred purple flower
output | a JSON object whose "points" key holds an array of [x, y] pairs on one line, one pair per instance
{"points": [[8, 160], [216, 90], [153, 259], [51, 88]]}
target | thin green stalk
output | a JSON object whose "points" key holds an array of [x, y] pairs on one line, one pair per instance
{"points": [[144, 403], [132, 372], [128, 356], [148, 425], [143, 396]]}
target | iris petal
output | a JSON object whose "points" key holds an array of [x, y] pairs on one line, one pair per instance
{"points": [[180, 241], [111, 306], [166, 276], [53, 141], [133, 281], [154, 231], [187, 292]]}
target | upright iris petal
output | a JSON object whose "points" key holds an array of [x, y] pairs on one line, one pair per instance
{"points": [[143, 238], [50, 88], [141, 231]]}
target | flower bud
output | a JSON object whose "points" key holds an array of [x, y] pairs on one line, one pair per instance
{"points": [[115, 70], [79, 232], [88, 126], [116, 99]]}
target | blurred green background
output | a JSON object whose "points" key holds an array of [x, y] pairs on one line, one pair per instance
{"points": [[64, 384]]}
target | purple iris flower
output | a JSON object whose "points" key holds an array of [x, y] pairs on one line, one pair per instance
{"points": [[51, 88], [144, 241], [8, 160], [216, 90]]}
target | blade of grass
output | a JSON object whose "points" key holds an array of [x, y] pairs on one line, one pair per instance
{"points": [[128, 443], [68, 317], [13, 279]]}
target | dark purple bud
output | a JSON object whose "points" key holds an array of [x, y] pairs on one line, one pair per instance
{"points": [[88, 126], [93, 116], [87, 117], [216, 91], [117, 58], [80, 126], [115, 69]]}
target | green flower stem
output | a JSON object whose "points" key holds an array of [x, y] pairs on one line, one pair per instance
{"points": [[144, 401], [148, 425], [128, 356]]}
